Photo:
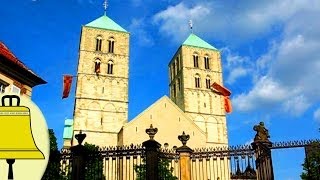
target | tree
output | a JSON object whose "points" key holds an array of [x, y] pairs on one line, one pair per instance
{"points": [[311, 165], [94, 163], [164, 169], [53, 167]]}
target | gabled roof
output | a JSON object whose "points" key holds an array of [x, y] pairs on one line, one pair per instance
{"points": [[104, 22], [4, 51], [195, 41], [7, 58], [166, 99]]}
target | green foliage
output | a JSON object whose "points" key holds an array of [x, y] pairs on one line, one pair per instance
{"points": [[53, 167], [164, 170], [311, 165], [94, 163]]}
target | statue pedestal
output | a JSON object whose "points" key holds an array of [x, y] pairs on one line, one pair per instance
{"points": [[263, 159]]}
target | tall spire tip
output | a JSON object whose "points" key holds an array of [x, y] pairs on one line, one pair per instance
{"points": [[191, 25], [105, 6]]}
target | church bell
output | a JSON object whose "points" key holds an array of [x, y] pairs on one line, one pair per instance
{"points": [[16, 140]]}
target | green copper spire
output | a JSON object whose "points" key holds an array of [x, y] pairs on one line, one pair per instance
{"points": [[68, 129], [104, 22], [195, 41]]}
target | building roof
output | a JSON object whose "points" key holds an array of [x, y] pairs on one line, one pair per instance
{"points": [[104, 22], [10, 59], [4, 51], [195, 41], [68, 129]]}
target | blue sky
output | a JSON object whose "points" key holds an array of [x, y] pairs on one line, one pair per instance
{"points": [[270, 57]]}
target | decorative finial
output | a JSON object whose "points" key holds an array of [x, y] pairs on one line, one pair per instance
{"points": [[105, 5], [80, 137], [191, 24], [184, 138], [151, 132]]}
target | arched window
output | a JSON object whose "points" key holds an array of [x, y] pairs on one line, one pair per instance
{"points": [[174, 68], [111, 45], [195, 60], [171, 73], [178, 84], [206, 62], [110, 67], [208, 83], [178, 64], [174, 90], [197, 81], [98, 43], [97, 63]]}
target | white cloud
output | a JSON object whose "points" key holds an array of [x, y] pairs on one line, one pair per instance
{"points": [[283, 77], [265, 93], [236, 66], [316, 115], [235, 74], [174, 20], [292, 68], [229, 20], [296, 105], [137, 28]]}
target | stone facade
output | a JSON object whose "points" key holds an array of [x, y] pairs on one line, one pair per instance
{"points": [[10, 83], [170, 121], [205, 107], [101, 103]]}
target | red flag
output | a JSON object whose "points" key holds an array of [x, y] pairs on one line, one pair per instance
{"points": [[97, 67], [227, 104], [226, 96], [224, 91], [67, 81]]}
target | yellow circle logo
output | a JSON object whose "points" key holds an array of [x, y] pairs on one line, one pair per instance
{"points": [[24, 139]]}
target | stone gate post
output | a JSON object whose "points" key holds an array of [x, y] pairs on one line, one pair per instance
{"points": [[184, 154], [262, 147], [152, 154], [78, 158]]}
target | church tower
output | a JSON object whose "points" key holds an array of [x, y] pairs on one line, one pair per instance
{"points": [[101, 102], [193, 69]]}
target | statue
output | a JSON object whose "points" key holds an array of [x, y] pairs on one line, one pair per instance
{"points": [[262, 132]]}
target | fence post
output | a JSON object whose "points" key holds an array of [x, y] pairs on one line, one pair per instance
{"points": [[184, 155], [152, 154], [262, 148], [78, 158]]}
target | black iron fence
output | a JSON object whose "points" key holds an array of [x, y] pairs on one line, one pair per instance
{"points": [[233, 162], [150, 162]]}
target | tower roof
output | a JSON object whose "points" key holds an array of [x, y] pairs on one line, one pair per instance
{"points": [[104, 22], [194, 40]]}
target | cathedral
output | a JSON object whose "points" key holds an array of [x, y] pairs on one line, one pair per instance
{"points": [[101, 100]]}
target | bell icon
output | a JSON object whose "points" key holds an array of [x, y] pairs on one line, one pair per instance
{"points": [[16, 139]]}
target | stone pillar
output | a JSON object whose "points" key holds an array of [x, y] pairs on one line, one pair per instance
{"points": [[184, 154], [262, 147], [152, 154], [78, 158]]}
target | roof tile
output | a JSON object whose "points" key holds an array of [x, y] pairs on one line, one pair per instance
{"points": [[194, 40], [104, 22]]}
